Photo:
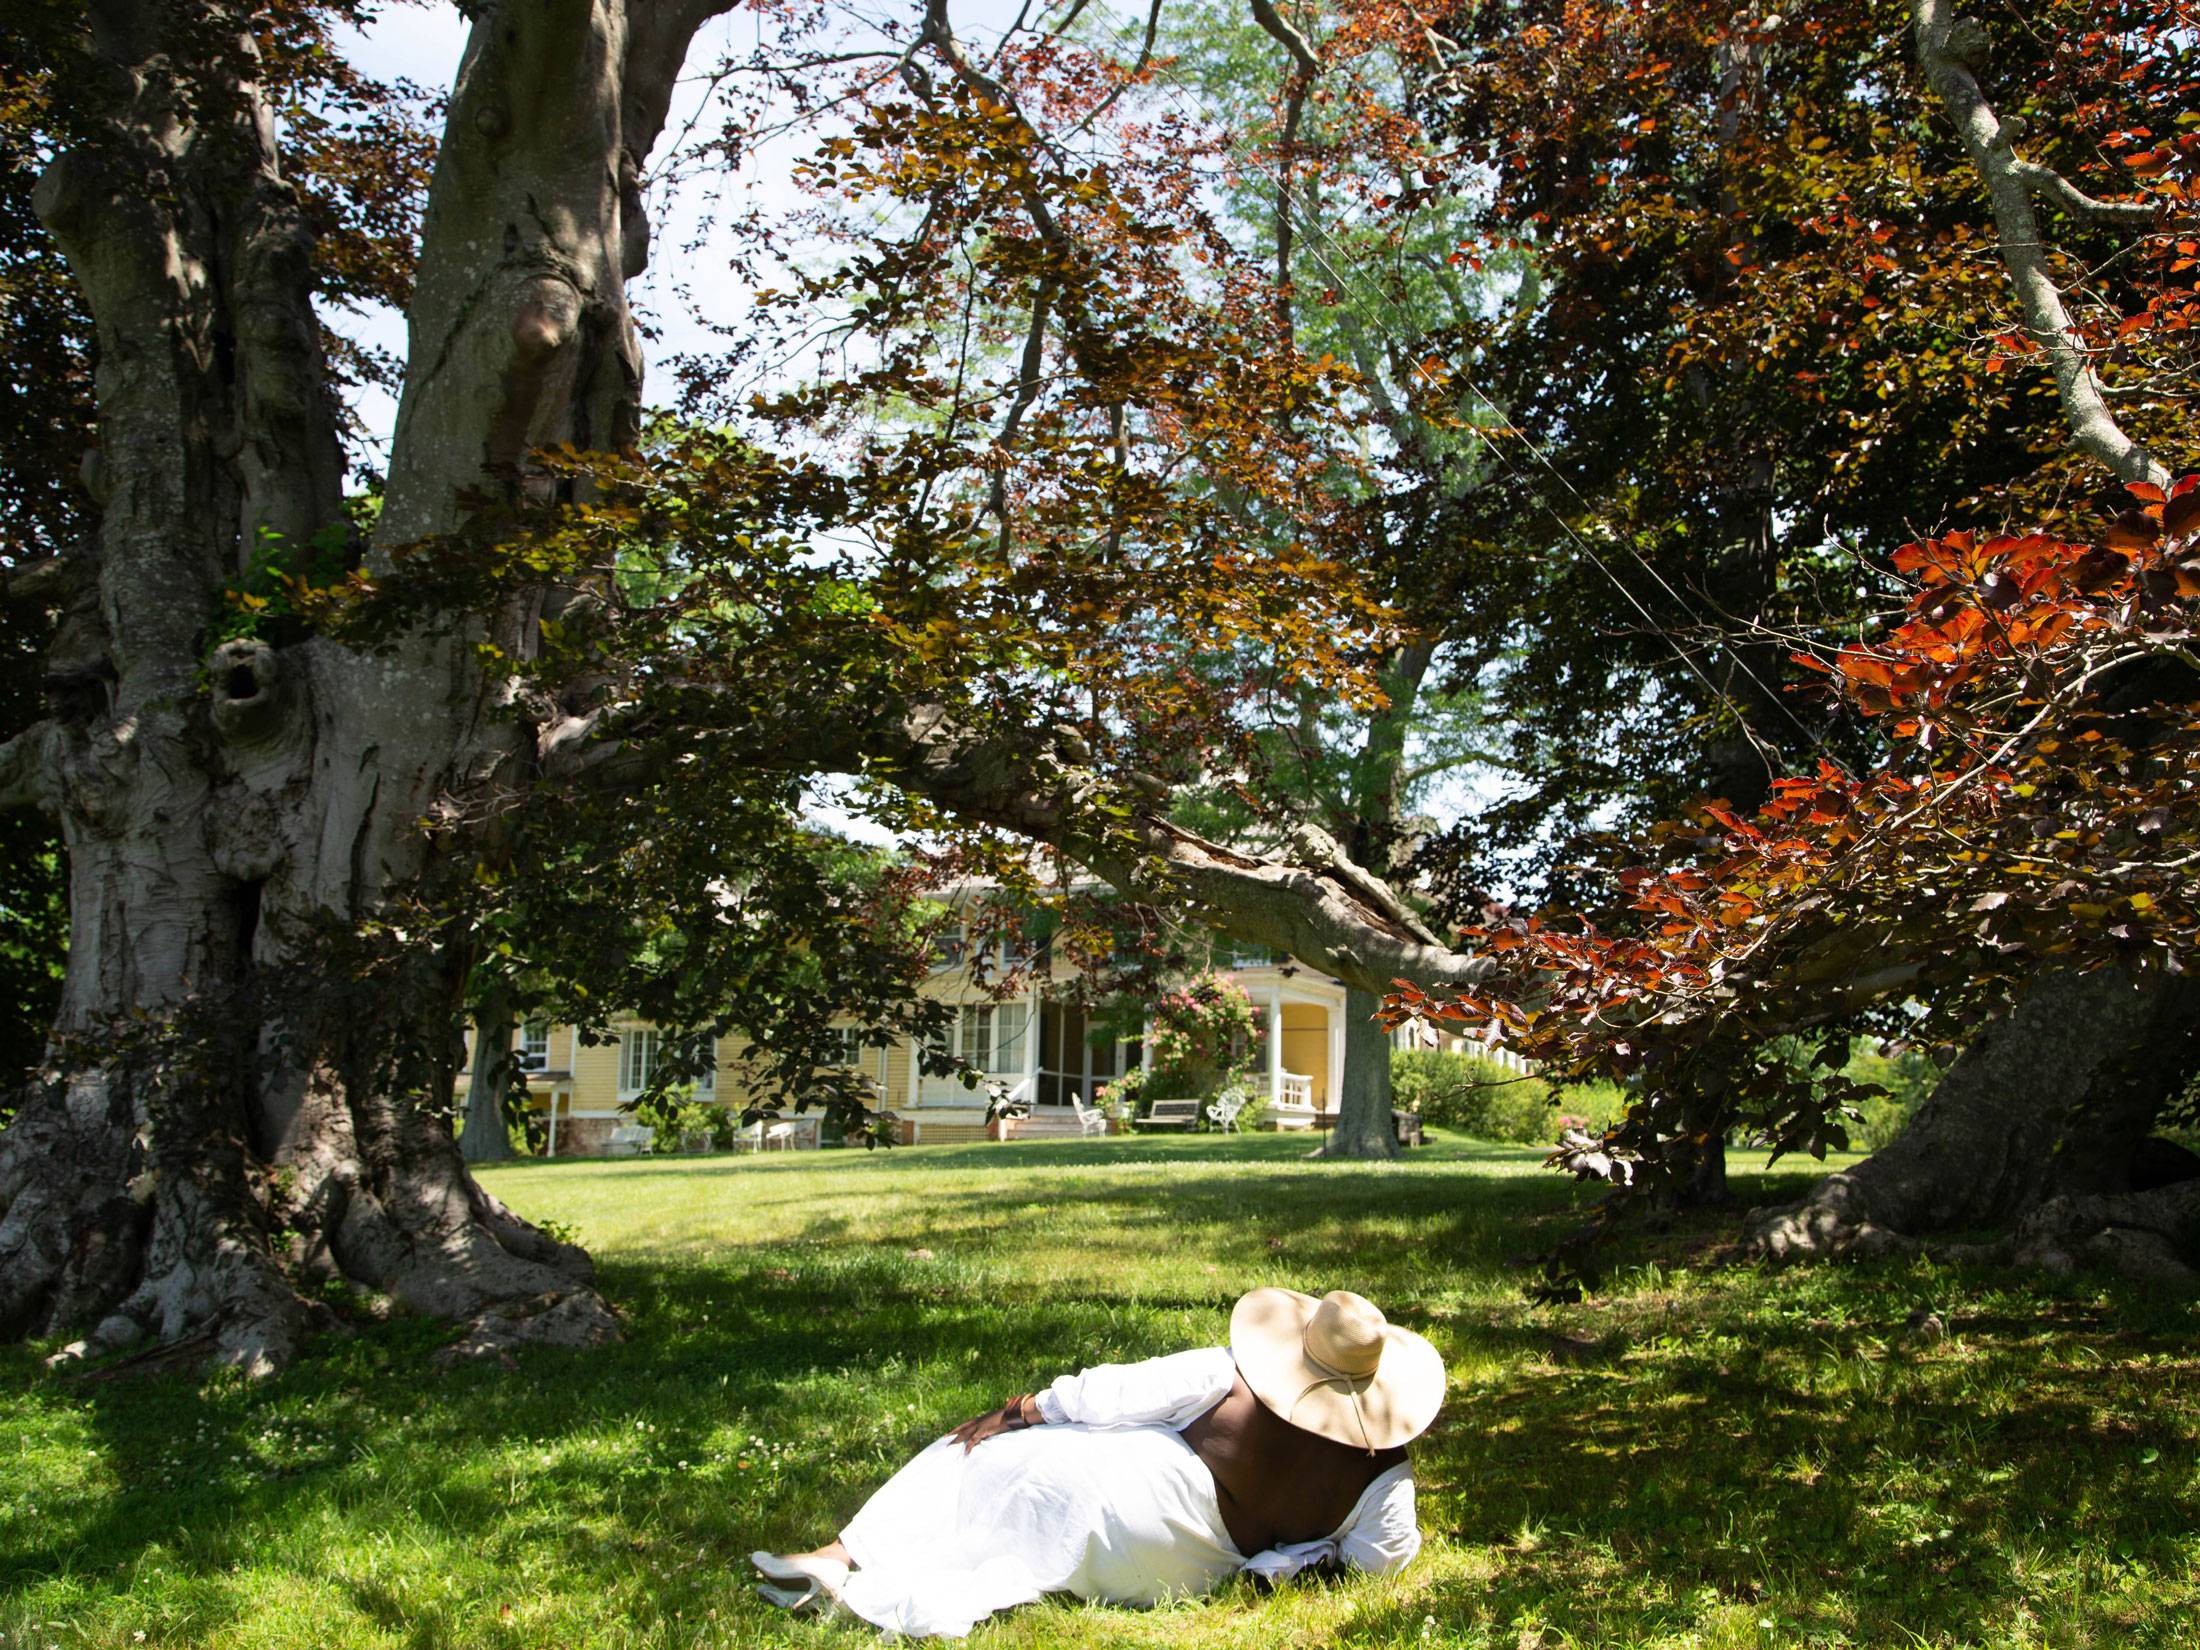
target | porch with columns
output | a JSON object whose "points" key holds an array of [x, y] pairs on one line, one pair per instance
{"points": [[1303, 1051]]}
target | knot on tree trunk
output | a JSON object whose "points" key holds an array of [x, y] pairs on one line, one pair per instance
{"points": [[248, 692], [1833, 1223]]}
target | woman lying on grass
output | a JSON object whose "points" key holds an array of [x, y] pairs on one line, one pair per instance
{"points": [[1131, 1483]]}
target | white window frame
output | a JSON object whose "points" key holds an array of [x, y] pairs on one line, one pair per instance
{"points": [[534, 1050], [988, 1036], [640, 1049], [853, 1047], [954, 947], [951, 947]]}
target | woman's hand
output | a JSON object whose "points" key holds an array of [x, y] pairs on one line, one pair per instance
{"points": [[1013, 1416]]}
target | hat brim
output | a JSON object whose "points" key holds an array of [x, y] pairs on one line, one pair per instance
{"points": [[1389, 1408]]}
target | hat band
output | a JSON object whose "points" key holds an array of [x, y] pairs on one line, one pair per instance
{"points": [[1331, 1372], [1353, 1385]]}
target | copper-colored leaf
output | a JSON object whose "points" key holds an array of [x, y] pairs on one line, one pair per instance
{"points": [[2181, 515], [2133, 530]]}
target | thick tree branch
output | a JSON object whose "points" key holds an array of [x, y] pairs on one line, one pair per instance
{"points": [[1947, 46], [1130, 76], [46, 580], [1313, 904], [1027, 391], [939, 34], [2049, 184], [1305, 66], [1281, 29]]}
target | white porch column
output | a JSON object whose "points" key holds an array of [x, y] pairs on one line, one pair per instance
{"points": [[1336, 1056], [1275, 1043], [915, 1053], [1145, 1044], [552, 1149], [1033, 1006]]}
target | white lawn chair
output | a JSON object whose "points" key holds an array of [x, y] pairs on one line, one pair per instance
{"points": [[780, 1135], [1091, 1120], [1223, 1114]]}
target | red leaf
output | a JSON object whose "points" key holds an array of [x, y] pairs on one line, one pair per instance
{"points": [[2133, 530], [2181, 514]]}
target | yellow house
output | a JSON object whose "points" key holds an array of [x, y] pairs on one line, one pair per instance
{"points": [[1040, 1044]]}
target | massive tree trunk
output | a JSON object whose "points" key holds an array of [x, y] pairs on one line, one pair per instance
{"points": [[2036, 1136], [243, 1099], [1364, 1127]]}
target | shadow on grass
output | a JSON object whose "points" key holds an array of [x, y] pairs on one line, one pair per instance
{"points": [[1619, 1471]]}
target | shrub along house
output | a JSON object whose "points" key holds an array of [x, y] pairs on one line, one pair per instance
{"points": [[1042, 1044]]}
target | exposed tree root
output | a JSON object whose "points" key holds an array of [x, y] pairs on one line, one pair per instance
{"points": [[2152, 1236], [214, 1255]]}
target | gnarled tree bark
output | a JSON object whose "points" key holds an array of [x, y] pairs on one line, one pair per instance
{"points": [[227, 1120], [2033, 1135], [484, 1136]]}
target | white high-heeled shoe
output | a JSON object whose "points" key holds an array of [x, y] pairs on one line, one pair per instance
{"points": [[813, 1599], [816, 1582]]}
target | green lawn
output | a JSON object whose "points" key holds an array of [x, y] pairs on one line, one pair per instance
{"points": [[1701, 1457]]}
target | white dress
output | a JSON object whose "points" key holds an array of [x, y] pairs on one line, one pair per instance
{"points": [[1106, 1501]]}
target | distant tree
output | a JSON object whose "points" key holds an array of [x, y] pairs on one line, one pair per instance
{"points": [[1373, 284]]}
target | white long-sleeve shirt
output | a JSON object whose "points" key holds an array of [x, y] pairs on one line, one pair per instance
{"points": [[1380, 1535]]}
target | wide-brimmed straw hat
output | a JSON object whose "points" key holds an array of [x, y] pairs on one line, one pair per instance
{"points": [[1336, 1366]]}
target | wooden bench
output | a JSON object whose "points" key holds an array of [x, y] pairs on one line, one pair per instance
{"points": [[1171, 1114]]}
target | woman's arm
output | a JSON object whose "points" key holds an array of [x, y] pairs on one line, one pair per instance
{"points": [[1171, 1391], [1386, 1534]]}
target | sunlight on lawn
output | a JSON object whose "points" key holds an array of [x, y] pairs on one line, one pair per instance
{"points": [[1697, 1457]]}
